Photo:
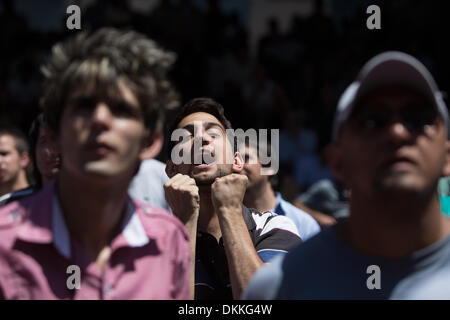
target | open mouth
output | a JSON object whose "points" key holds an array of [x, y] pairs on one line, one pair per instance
{"points": [[203, 165], [203, 159]]}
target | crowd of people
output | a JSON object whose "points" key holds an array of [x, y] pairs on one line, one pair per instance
{"points": [[82, 186]]}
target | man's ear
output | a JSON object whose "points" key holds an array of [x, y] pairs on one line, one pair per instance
{"points": [[238, 162], [24, 159], [152, 146], [171, 169], [335, 162], [446, 169]]}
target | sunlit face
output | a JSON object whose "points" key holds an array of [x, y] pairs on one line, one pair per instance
{"points": [[101, 138], [11, 162], [48, 156], [212, 155], [394, 142]]}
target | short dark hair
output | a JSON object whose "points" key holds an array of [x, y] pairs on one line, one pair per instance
{"points": [[97, 61], [20, 139], [206, 105], [33, 135]]}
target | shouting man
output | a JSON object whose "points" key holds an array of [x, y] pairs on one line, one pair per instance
{"points": [[205, 190]]}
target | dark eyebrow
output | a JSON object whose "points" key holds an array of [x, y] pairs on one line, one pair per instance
{"points": [[207, 125], [188, 127], [214, 124], [84, 97]]}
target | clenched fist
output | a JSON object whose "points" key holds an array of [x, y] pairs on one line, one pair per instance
{"points": [[229, 191], [182, 196]]}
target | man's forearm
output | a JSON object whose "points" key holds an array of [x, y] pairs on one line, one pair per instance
{"points": [[191, 226], [243, 261]]}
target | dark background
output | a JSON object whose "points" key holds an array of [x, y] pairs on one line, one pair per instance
{"points": [[291, 80]]}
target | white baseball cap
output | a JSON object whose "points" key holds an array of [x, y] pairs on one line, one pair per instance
{"points": [[389, 68]]}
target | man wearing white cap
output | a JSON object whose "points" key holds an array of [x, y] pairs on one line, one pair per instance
{"points": [[390, 148]]}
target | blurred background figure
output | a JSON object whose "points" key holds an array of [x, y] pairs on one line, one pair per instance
{"points": [[327, 199], [261, 196], [147, 185], [44, 160], [45, 152], [14, 160]]}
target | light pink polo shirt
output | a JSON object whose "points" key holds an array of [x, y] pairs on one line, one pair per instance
{"points": [[149, 258]]}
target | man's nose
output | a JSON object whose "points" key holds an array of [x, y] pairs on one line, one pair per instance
{"points": [[398, 132], [53, 150], [102, 115], [202, 136]]}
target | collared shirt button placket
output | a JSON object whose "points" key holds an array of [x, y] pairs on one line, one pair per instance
{"points": [[107, 291], [107, 285], [14, 215]]}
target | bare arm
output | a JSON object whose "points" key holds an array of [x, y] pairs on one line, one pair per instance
{"points": [[182, 196], [243, 260]]}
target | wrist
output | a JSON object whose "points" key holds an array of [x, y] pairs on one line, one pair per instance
{"points": [[229, 209], [188, 219]]}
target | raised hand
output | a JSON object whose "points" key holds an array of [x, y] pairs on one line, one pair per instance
{"points": [[229, 191], [183, 197]]}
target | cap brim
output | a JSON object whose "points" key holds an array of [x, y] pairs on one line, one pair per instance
{"points": [[389, 68]]}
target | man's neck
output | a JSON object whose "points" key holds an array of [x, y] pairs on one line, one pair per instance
{"points": [[20, 182], [93, 212], [208, 220], [394, 228], [262, 197]]}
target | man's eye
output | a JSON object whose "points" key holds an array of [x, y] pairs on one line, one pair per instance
{"points": [[123, 109], [187, 134], [82, 104], [213, 133], [374, 120], [420, 118]]}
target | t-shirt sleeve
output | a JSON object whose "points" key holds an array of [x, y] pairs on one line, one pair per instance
{"points": [[275, 235]]}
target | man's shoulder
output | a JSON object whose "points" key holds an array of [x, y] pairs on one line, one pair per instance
{"points": [[293, 210], [15, 214], [268, 220], [16, 195], [317, 246], [20, 208], [158, 220], [272, 234], [11, 215], [298, 269], [151, 166]]}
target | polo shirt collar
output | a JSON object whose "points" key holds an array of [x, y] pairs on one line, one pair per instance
{"points": [[132, 230]]}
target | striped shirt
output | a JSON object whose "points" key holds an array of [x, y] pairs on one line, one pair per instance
{"points": [[271, 235]]}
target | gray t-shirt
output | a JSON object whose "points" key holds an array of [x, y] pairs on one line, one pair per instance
{"points": [[326, 267], [148, 184]]}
